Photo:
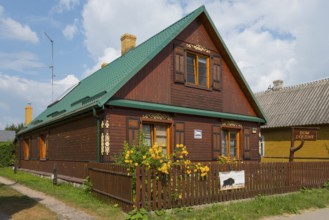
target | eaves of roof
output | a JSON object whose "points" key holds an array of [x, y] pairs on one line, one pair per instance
{"points": [[181, 110]]}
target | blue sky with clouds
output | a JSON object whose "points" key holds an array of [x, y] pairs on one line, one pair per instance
{"points": [[268, 41]]}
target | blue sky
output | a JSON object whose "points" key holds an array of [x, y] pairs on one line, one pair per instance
{"points": [[268, 41]]}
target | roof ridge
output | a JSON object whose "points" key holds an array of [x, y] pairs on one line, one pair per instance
{"points": [[285, 88]]}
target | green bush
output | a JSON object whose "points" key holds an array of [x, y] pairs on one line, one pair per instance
{"points": [[7, 152]]}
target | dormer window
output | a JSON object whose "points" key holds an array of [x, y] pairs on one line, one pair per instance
{"points": [[197, 69]]}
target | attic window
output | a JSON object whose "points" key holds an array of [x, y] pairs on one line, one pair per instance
{"points": [[197, 69]]}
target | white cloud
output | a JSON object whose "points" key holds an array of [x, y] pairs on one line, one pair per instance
{"points": [[11, 29], [25, 91], [110, 54], [105, 21], [65, 5], [268, 41], [19, 61], [70, 30]]}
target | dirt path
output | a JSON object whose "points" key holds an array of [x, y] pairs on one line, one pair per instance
{"points": [[62, 210]]}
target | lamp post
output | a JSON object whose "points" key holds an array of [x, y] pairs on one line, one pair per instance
{"points": [[52, 66]]}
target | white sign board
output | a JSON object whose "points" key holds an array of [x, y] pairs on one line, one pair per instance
{"points": [[232, 180], [197, 134]]}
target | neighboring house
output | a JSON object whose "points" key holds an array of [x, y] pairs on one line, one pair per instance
{"points": [[304, 105], [181, 86], [7, 136]]}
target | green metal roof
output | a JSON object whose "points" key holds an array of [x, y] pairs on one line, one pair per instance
{"points": [[181, 110], [96, 89]]}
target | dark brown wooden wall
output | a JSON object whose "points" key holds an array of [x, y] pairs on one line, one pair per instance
{"points": [[75, 141], [198, 149], [154, 83]]}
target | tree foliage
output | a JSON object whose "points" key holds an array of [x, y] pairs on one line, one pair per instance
{"points": [[14, 127], [7, 152]]}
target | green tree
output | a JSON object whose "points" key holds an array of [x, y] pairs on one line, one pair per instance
{"points": [[14, 127], [7, 152]]}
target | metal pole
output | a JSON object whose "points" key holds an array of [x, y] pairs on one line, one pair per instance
{"points": [[52, 66]]}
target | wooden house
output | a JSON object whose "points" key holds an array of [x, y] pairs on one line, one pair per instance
{"points": [[181, 86], [304, 105]]}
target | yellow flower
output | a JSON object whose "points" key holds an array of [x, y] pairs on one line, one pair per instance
{"points": [[144, 157], [161, 161], [180, 196], [136, 164], [181, 156]]}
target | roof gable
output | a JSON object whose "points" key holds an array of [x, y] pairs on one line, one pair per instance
{"points": [[301, 105], [96, 89]]}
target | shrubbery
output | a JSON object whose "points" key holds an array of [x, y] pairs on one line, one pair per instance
{"points": [[7, 152]]}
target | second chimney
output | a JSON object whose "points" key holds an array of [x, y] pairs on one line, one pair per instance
{"points": [[128, 41], [277, 85], [28, 114]]}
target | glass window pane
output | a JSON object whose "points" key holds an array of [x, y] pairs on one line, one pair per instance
{"points": [[233, 152], [224, 143], [191, 68], [202, 65], [161, 135], [148, 134]]}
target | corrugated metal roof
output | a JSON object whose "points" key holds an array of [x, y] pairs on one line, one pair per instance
{"points": [[7, 136], [300, 105], [98, 88]]}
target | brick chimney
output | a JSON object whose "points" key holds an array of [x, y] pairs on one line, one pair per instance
{"points": [[128, 41], [277, 85], [28, 114]]}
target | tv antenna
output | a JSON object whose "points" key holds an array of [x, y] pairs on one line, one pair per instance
{"points": [[51, 66]]}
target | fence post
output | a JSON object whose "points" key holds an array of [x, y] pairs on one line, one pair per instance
{"points": [[138, 192]]}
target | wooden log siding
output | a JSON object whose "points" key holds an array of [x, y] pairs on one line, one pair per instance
{"points": [[178, 189], [112, 181]]}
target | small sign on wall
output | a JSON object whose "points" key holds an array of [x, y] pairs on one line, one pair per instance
{"points": [[197, 134]]}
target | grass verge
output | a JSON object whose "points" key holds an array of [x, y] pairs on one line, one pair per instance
{"points": [[256, 208], [67, 193], [19, 207]]}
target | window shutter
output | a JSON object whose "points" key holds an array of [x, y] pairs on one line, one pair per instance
{"points": [[216, 142], [216, 73], [132, 131], [246, 144], [179, 133], [179, 65]]}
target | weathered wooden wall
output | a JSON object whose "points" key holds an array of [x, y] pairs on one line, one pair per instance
{"points": [[199, 149], [154, 83], [70, 145]]}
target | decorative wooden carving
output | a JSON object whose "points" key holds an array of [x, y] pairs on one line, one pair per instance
{"points": [[231, 124], [198, 47], [105, 138], [157, 116]]}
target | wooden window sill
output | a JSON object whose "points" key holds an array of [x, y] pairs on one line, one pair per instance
{"points": [[197, 87]]}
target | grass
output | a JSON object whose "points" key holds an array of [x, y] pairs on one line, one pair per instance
{"points": [[256, 208], [72, 196], [19, 207]]}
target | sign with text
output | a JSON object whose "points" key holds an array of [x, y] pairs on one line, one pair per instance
{"points": [[304, 134], [232, 180], [197, 134]]}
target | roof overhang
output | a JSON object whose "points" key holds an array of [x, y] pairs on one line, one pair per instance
{"points": [[182, 110]]}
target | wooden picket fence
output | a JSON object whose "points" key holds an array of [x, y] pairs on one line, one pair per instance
{"points": [[152, 190], [179, 189]]}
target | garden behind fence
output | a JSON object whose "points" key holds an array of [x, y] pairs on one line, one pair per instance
{"points": [[152, 190]]}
